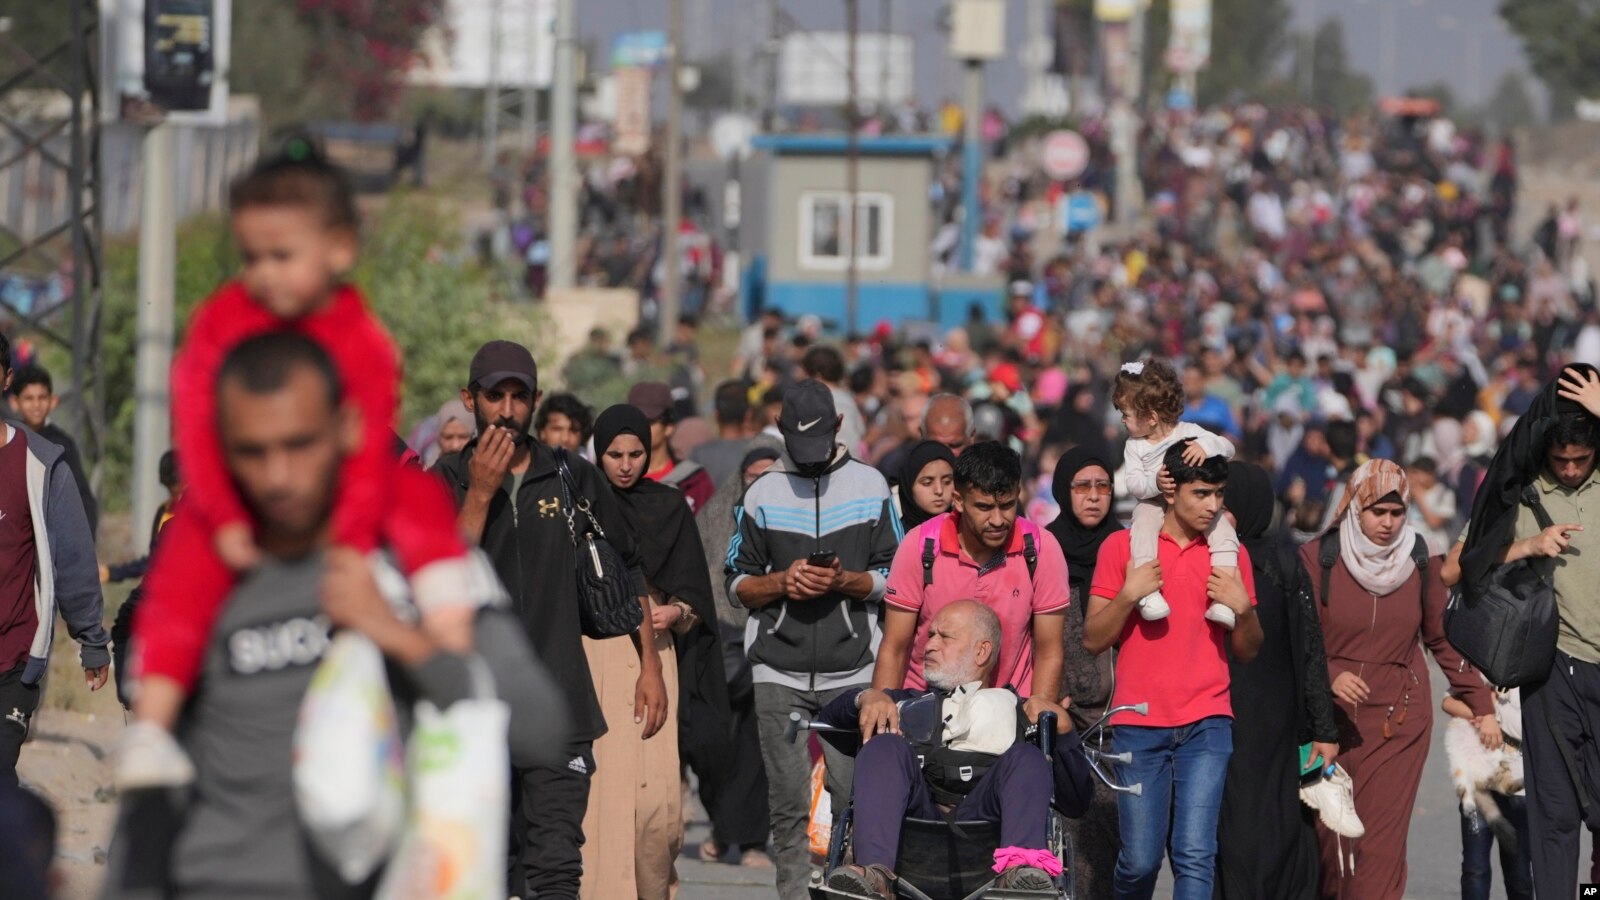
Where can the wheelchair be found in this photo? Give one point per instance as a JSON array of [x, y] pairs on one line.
[[954, 860]]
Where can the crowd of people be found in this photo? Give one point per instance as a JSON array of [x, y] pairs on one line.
[[1293, 385]]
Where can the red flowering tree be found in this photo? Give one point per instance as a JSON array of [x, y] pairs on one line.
[[366, 46]]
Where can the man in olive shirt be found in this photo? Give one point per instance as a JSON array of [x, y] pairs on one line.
[[1568, 702]]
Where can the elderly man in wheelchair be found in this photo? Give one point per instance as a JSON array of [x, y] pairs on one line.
[[935, 763]]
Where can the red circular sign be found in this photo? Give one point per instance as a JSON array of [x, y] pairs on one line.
[[1066, 154]]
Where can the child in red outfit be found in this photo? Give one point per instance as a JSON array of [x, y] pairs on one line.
[[294, 220]]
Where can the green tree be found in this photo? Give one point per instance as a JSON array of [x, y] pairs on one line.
[[1248, 40], [1562, 41], [1334, 86], [437, 309], [1511, 106], [1440, 91]]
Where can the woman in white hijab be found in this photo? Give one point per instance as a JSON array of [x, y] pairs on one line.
[[1374, 605]]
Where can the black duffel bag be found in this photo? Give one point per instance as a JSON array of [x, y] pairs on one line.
[[607, 604], [1507, 627]]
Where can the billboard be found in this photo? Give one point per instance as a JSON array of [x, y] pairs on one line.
[[639, 48], [812, 68], [460, 51], [1189, 47]]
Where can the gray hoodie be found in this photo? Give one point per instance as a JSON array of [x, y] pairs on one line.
[[68, 575]]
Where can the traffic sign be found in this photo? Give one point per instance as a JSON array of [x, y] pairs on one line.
[[1079, 212], [1066, 154]]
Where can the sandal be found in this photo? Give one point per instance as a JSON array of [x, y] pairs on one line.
[[863, 881]]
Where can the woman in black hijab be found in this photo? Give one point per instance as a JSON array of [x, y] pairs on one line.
[[1082, 486], [1081, 419], [1266, 841], [673, 563], [930, 471]]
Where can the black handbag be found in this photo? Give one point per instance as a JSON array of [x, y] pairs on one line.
[[1508, 629], [607, 604]]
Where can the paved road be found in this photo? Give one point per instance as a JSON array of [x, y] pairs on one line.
[[1433, 851]]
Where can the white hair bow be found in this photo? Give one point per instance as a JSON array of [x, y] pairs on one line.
[[1133, 368]]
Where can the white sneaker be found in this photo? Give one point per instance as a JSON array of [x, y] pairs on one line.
[[1221, 615], [148, 756], [1333, 797], [1153, 607]]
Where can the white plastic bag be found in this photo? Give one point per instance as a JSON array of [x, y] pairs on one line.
[[458, 762], [348, 763]]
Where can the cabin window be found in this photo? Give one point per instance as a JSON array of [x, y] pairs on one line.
[[825, 230]]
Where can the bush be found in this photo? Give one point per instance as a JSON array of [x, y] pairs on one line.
[[436, 301]]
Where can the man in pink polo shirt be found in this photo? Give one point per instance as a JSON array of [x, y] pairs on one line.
[[980, 551], [1180, 667]]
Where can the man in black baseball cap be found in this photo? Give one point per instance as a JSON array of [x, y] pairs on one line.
[[810, 426], [810, 563], [499, 361], [512, 502]]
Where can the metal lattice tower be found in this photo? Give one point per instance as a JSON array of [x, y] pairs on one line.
[[49, 194]]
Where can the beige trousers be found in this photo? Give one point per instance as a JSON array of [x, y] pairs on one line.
[[633, 829]]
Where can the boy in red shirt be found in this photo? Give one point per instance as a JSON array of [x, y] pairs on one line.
[[294, 220], [1179, 751]]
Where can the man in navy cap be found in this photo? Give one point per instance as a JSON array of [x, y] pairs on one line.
[[814, 540]]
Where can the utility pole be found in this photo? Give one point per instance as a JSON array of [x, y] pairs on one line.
[[971, 160], [1125, 124], [886, 22], [977, 33], [852, 162], [668, 291], [491, 97], [530, 93], [769, 112], [158, 247], [563, 224]]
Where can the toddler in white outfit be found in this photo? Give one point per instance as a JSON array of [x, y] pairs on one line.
[[1150, 398]]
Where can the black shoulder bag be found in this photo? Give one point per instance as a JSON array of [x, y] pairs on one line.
[[1508, 630], [607, 605]]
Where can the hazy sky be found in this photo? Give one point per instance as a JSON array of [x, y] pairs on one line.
[[1435, 38]]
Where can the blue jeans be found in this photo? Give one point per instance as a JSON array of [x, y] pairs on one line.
[[1182, 770], [1477, 842]]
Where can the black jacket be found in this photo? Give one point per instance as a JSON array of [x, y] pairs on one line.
[[1516, 463], [533, 554]]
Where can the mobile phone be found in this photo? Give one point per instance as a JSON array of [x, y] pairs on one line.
[[822, 559]]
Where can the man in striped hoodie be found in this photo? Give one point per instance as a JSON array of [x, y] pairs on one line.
[[809, 557]]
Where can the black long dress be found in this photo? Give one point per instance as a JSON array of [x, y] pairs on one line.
[[1266, 839], [1086, 678]]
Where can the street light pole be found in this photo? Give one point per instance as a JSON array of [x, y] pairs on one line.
[[563, 232], [668, 291], [852, 166], [491, 97], [158, 222]]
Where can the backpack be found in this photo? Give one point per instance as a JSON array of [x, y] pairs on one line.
[[949, 774], [930, 552], [1328, 554]]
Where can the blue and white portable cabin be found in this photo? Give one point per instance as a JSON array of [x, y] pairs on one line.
[[796, 217]]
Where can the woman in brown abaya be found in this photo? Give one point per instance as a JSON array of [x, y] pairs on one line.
[[1375, 607]]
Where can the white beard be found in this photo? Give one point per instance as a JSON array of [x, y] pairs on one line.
[[954, 674]]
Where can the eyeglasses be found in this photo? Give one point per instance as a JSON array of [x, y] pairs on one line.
[[1091, 488]]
